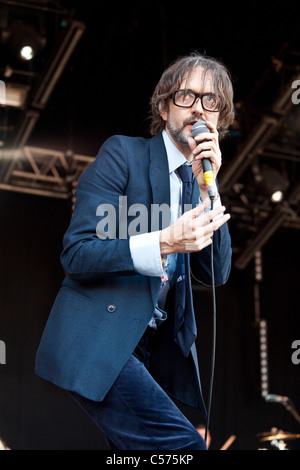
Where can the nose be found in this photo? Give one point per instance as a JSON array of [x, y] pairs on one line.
[[197, 107]]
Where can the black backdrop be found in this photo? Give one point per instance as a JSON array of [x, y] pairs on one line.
[[35, 415]]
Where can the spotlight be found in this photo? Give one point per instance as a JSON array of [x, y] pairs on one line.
[[25, 41], [270, 183], [277, 196], [275, 184], [26, 52]]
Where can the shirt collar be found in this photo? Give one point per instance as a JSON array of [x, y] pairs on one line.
[[175, 157]]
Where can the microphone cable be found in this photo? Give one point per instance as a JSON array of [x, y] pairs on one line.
[[214, 333], [198, 128]]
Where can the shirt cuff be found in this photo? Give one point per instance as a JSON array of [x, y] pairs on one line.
[[145, 253]]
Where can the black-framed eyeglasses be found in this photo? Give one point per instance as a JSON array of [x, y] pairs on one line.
[[187, 98]]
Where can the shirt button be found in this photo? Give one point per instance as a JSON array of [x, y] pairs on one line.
[[111, 308]]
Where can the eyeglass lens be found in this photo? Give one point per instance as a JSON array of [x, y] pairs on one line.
[[186, 99]]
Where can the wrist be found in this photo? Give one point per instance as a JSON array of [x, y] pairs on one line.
[[204, 194], [166, 242]]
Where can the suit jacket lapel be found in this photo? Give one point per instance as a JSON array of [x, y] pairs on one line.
[[160, 184], [159, 174], [159, 171]]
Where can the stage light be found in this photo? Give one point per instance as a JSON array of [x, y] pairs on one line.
[[27, 52], [275, 184], [24, 40], [270, 182], [277, 196]]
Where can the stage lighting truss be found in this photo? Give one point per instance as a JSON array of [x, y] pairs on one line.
[[260, 185], [48, 36], [15, 95], [25, 89], [43, 172]]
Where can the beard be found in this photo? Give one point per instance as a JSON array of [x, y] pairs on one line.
[[177, 134]]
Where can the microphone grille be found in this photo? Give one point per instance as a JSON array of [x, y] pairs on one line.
[[198, 128]]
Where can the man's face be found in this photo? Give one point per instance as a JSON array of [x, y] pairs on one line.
[[179, 121]]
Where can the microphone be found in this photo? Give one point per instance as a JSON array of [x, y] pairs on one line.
[[276, 398], [197, 129]]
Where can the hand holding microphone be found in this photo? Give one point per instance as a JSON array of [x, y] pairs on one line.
[[192, 233], [213, 153]]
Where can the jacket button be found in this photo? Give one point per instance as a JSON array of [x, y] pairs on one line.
[[111, 308]]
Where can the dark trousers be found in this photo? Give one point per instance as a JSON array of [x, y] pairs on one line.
[[137, 414]]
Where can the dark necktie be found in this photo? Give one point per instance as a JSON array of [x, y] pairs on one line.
[[184, 321]]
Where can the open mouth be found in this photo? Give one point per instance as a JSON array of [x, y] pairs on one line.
[[191, 123]]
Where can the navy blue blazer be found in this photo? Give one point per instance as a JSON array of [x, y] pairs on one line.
[[104, 306]]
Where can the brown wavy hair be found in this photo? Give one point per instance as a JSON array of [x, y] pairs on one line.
[[173, 76]]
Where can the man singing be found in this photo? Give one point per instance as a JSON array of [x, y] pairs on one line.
[[121, 333]]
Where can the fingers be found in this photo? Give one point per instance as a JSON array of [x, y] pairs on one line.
[[198, 209], [207, 150], [212, 214], [212, 127], [206, 145], [214, 224], [203, 234], [210, 221], [207, 216], [193, 231], [195, 228]]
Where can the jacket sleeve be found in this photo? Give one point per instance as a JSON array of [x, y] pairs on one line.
[[222, 253], [92, 247]]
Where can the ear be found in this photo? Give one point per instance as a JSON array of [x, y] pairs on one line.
[[164, 109]]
